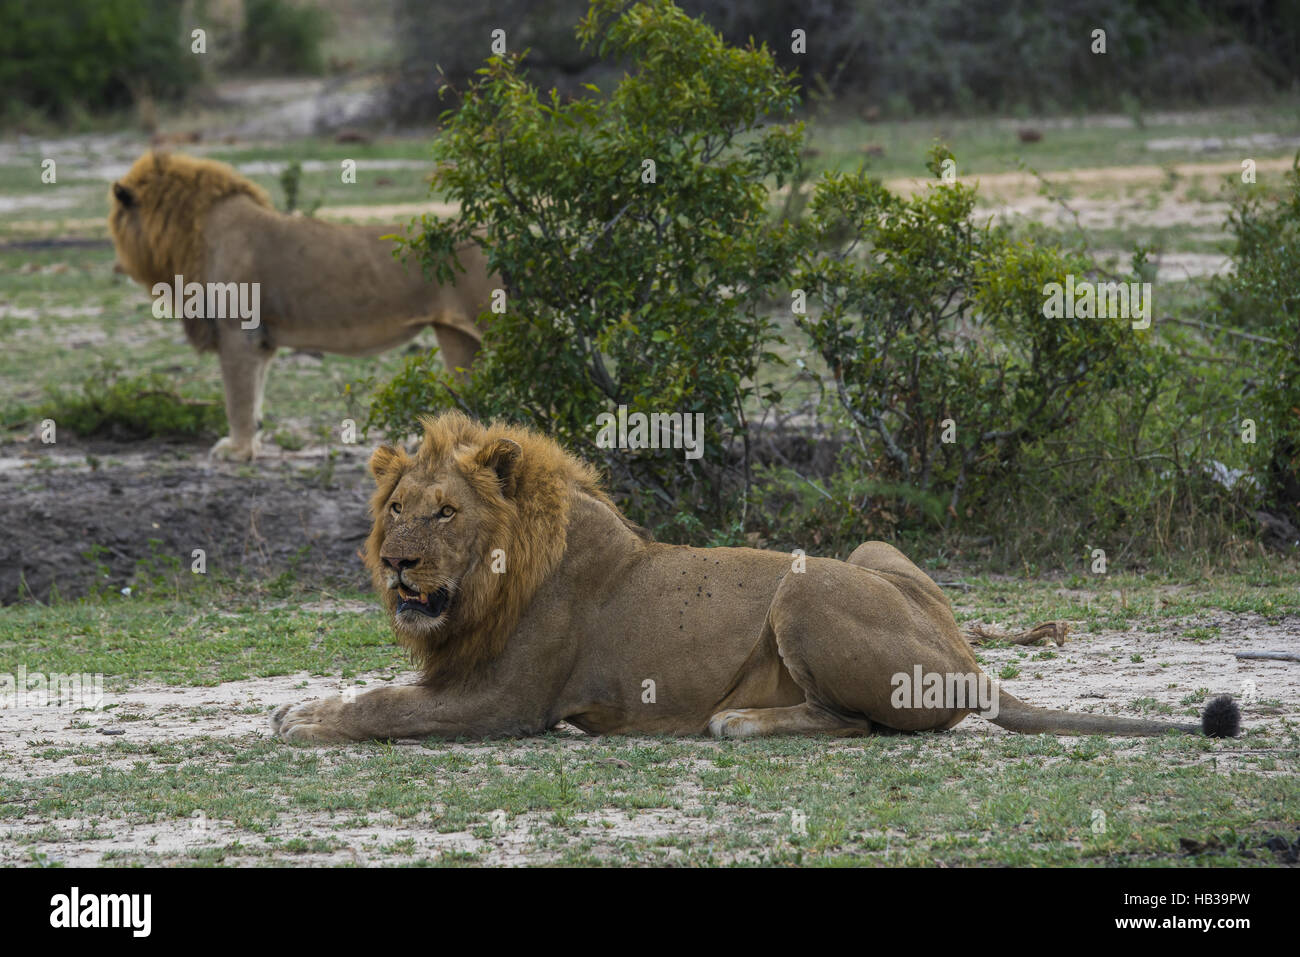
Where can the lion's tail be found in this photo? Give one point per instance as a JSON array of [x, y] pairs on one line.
[[1220, 719]]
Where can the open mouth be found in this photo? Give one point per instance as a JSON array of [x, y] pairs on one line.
[[431, 605]]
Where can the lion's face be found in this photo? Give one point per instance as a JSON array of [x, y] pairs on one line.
[[435, 528], [430, 526]]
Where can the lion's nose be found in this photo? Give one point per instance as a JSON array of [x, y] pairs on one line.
[[400, 564]]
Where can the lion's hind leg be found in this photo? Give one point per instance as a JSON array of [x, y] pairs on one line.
[[852, 638], [809, 717], [458, 349], [806, 718]]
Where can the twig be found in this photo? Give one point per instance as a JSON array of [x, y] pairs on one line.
[[1224, 329], [1055, 630], [1268, 655], [1049, 191], [606, 228]]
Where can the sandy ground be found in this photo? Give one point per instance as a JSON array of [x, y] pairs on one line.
[[1093, 672]]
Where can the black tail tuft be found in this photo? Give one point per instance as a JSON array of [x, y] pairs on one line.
[[1221, 718]]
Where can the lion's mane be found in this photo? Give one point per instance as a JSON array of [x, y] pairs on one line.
[[529, 524], [159, 231]]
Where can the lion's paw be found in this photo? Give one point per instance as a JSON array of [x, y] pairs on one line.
[[733, 724], [308, 722], [230, 451]]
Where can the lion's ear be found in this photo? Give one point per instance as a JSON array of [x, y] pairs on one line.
[[385, 461], [123, 195], [501, 456]]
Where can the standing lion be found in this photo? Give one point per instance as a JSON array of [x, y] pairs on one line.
[[318, 286]]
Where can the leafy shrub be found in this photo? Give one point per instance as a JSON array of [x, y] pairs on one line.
[[283, 37], [1155, 469], [114, 406], [624, 289], [960, 411], [1262, 294], [934, 334], [57, 55], [1068, 434], [1263, 290]]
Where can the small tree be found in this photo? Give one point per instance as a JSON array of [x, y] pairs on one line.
[[635, 242], [934, 334], [62, 55], [1262, 294]]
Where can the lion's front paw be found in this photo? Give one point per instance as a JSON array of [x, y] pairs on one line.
[[310, 722], [232, 451], [732, 724]]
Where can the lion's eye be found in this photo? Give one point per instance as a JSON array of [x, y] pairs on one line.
[[395, 508], [446, 512]]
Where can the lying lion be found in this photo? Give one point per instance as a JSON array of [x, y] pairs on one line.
[[528, 599], [321, 286]]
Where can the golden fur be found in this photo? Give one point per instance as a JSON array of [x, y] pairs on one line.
[[528, 524], [164, 236], [322, 286], [527, 599]]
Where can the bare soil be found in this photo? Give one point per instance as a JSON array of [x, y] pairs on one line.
[[140, 501]]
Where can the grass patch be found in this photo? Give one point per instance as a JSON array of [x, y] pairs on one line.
[[923, 800], [194, 640], [112, 405]]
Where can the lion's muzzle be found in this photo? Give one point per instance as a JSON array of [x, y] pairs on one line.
[[431, 605]]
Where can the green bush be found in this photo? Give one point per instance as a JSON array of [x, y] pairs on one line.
[[1262, 295], [959, 410], [933, 330], [1067, 434], [622, 291], [59, 55], [282, 37], [111, 405], [1263, 290]]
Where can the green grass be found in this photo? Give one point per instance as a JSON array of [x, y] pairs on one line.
[[1267, 588], [179, 630], [898, 800], [195, 640], [131, 407], [983, 145], [1013, 801]]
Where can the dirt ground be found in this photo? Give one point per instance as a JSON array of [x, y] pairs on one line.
[[1093, 672], [142, 500]]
